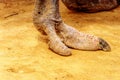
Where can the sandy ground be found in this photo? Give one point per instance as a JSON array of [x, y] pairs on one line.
[[24, 53]]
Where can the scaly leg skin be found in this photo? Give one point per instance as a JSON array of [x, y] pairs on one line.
[[46, 17], [61, 36]]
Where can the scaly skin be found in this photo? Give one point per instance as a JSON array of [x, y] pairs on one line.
[[78, 40], [61, 36]]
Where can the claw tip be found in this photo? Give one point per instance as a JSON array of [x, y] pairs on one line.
[[104, 45]]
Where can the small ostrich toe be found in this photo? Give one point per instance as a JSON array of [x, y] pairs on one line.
[[58, 47]]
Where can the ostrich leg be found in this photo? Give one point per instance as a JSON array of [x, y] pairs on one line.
[[46, 18], [61, 36]]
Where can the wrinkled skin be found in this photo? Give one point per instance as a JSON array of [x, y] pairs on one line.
[[61, 36]]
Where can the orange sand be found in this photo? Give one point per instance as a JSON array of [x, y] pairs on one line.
[[24, 53]]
